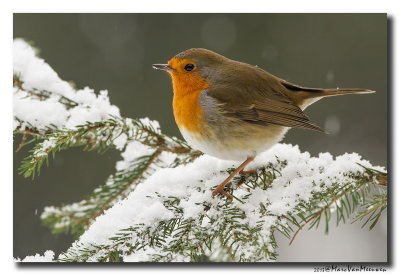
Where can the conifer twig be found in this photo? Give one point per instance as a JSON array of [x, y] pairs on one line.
[[318, 214]]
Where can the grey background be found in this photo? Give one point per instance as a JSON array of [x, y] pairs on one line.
[[115, 52]]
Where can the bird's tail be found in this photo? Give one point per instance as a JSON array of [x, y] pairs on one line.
[[337, 91], [304, 96]]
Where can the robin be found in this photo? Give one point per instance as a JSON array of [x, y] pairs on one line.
[[233, 110]]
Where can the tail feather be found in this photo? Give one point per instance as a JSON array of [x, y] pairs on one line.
[[337, 91], [300, 94], [304, 96], [317, 92]]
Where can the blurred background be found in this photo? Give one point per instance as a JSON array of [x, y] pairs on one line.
[[116, 51]]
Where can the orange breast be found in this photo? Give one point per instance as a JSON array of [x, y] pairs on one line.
[[187, 110]]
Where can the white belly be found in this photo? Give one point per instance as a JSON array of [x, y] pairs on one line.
[[233, 149]]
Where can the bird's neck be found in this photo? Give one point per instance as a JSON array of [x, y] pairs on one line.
[[187, 110]]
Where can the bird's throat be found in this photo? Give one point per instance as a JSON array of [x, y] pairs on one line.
[[187, 110]]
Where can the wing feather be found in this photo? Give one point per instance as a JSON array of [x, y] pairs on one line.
[[260, 106]]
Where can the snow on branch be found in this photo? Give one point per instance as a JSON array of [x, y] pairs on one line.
[[48, 256], [173, 217], [43, 101], [158, 205]]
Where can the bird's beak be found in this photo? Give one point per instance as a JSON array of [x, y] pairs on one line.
[[164, 67]]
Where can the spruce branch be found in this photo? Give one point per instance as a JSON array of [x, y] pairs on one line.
[[100, 136], [344, 200], [93, 135], [222, 231], [180, 238], [42, 94], [371, 209]]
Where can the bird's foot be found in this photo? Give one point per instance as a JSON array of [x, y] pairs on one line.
[[223, 192], [220, 188]]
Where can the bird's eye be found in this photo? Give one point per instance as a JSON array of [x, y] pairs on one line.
[[189, 67]]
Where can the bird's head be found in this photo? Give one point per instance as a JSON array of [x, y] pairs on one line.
[[193, 69]]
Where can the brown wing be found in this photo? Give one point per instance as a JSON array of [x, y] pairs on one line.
[[261, 105]]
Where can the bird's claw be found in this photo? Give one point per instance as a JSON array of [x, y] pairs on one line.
[[221, 191]]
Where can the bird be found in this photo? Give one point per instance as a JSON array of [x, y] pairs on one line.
[[233, 110]]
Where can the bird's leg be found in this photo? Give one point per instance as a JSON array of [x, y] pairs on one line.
[[220, 188]]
